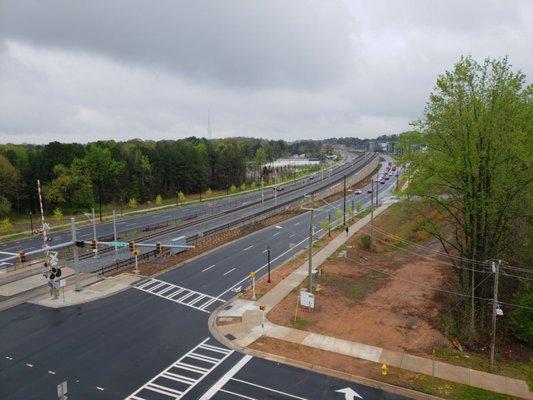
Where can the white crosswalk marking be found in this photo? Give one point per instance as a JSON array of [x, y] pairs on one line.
[[178, 294], [180, 377]]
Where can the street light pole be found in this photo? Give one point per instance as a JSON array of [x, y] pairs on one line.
[[344, 202], [329, 223], [115, 232], [94, 233], [268, 262], [31, 224]]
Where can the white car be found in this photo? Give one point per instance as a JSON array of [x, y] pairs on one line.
[[358, 191]]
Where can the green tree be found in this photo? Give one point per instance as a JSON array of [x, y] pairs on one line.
[[102, 169], [5, 207], [470, 158], [58, 214], [521, 318]]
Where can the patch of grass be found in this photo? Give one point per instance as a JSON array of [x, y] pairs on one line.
[[369, 283], [328, 279], [440, 387], [479, 362], [300, 323]]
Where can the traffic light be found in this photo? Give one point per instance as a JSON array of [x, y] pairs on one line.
[[94, 244], [22, 256], [132, 246], [158, 247]]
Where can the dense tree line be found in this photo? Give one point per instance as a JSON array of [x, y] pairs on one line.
[[77, 176]]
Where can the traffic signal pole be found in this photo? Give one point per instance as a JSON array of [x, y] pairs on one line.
[[94, 234], [75, 256], [310, 264], [115, 232]]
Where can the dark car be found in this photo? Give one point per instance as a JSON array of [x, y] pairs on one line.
[[280, 189], [369, 191]]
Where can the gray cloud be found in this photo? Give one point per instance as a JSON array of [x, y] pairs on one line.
[[86, 70]]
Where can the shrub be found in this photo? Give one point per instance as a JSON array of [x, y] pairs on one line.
[[181, 196], [366, 241], [158, 200], [132, 203], [521, 319], [57, 213], [233, 189], [243, 187], [209, 192], [253, 185], [6, 226]]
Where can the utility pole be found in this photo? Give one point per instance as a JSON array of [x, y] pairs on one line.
[[310, 265], [344, 202], [329, 223], [75, 255], [268, 262], [115, 232], [496, 270]]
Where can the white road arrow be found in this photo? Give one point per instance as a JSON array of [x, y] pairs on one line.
[[349, 393]]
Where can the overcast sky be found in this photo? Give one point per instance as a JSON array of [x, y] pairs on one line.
[[77, 70]]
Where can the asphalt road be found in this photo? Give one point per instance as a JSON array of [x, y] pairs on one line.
[[180, 213], [160, 347]]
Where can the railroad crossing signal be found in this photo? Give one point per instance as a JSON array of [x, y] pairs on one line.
[[136, 252], [22, 256], [158, 247], [132, 246], [94, 244]]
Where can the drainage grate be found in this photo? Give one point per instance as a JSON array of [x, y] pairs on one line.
[[230, 336]]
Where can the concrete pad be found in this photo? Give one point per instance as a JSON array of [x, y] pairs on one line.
[[30, 282], [99, 290], [237, 308], [452, 372], [392, 358], [519, 388], [417, 364]]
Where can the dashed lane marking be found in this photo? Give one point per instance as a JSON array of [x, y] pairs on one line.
[[208, 268], [228, 272]]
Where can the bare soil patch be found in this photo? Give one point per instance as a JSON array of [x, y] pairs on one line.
[[383, 297]]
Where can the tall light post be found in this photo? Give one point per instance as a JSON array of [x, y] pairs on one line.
[[310, 263], [268, 262], [31, 223], [344, 202]]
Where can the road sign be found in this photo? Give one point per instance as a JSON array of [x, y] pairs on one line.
[[62, 282], [118, 244], [307, 299], [349, 393], [62, 389]]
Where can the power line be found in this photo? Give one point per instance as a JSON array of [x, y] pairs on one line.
[[431, 287], [470, 260]]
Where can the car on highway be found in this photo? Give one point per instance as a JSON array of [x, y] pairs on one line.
[[369, 191], [279, 188], [358, 191], [382, 182]]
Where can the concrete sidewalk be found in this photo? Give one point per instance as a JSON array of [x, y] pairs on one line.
[[251, 325]]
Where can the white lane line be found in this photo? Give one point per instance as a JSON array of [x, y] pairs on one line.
[[249, 247], [9, 358], [294, 234], [100, 388], [29, 365], [269, 389], [276, 234], [227, 376], [242, 396], [227, 272], [51, 372], [208, 268], [297, 223]]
